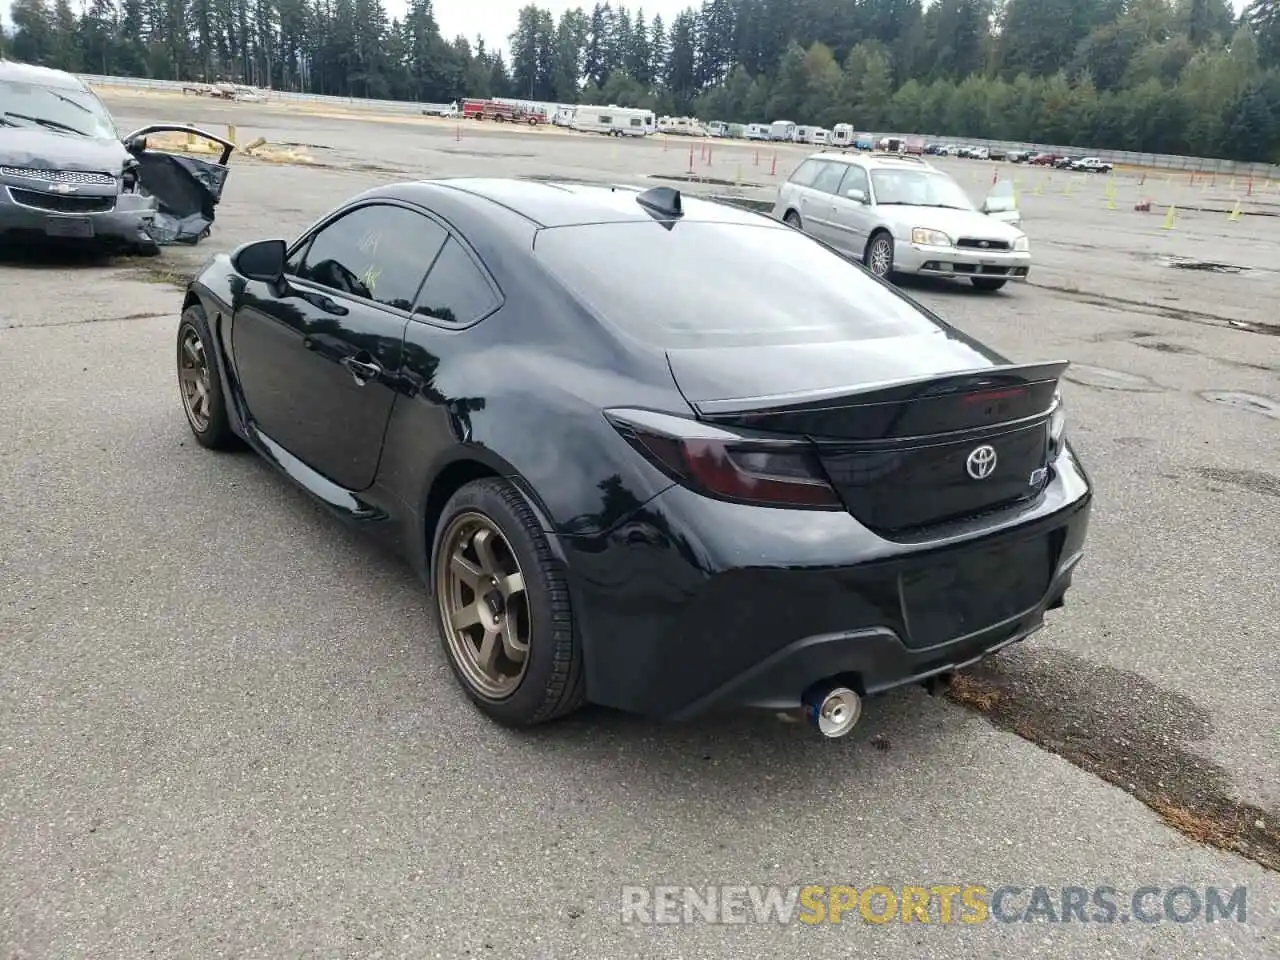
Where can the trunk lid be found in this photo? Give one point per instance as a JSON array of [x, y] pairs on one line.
[[911, 432]]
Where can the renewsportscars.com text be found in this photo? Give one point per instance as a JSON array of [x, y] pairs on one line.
[[938, 904]]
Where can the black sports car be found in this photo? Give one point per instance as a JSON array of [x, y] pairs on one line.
[[67, 174], [657, 453]]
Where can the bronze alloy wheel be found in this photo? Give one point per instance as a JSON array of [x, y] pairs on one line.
[[195, 378], [484, 608]]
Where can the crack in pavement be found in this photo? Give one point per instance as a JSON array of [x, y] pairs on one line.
[[149, 315], [1123, 728], [1157, 310]]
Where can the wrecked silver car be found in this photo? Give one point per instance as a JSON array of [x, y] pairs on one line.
[[67, 174]]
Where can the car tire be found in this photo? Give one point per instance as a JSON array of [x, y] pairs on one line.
[[533, 619], [878, 257], [792, 219], [200, 382], [988, 283]]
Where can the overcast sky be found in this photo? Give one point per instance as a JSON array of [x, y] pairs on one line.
[[496, 19]]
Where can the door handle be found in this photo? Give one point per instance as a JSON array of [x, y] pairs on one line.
[[363, 371]]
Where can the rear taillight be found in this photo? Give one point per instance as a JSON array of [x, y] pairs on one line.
[[715, 463], [1057, 427]]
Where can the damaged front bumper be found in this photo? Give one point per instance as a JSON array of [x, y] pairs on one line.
[[158, 197], [119, 219]]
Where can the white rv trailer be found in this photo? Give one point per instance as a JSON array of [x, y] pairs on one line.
[[614, 121], [757, 131], [842, 135], [682, 126], [782, 130]]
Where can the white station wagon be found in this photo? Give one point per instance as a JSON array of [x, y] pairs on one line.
[[901, 215]]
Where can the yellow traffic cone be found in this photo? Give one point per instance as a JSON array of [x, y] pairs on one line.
[[1235, 213], [1169, 217]]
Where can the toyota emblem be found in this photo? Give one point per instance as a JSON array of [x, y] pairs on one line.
[[983, 244], [982, 462], [62, 188]]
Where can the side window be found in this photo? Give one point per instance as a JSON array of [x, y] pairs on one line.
[[456, 290], [855, 179], [804, 174], [378, 252], [829, 177]]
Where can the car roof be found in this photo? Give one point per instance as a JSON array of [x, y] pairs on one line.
[[876, 161], [567, 203], [16, 72]]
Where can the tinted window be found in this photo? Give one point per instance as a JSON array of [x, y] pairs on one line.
[[829, 177], [377, 252], [456, 290], [714, 284]]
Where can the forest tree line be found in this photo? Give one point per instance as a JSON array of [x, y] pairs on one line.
[[1168, 76]]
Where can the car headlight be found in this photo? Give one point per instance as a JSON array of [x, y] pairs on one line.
[[1022, 245], [930, 238], [1057, 427]]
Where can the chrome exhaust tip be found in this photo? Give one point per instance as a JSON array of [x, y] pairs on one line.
[[833, 710]]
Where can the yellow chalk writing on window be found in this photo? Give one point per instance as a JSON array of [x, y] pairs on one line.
[[369, 242]]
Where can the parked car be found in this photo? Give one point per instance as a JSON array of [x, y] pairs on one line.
[[1019, 156], [68, 176], [1045, 159], [1065, 163], [562, 449], [1091, 165], [901, 215]]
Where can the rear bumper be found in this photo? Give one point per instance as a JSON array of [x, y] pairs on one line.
[[930, 261], [696, 604]]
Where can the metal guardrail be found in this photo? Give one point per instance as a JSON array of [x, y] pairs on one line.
[[1189, 165], [1159, 161], [177, 86]]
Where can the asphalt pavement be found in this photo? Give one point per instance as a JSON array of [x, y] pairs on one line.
[[226, 729]]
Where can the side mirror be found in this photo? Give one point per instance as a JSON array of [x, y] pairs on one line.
[[262, 260], [856, 195], [136, 145]]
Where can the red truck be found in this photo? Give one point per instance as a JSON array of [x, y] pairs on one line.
[[500, 112]]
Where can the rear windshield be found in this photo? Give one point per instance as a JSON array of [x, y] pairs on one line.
[[717, 284]]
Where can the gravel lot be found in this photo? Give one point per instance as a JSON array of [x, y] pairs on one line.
[[225, 730]]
